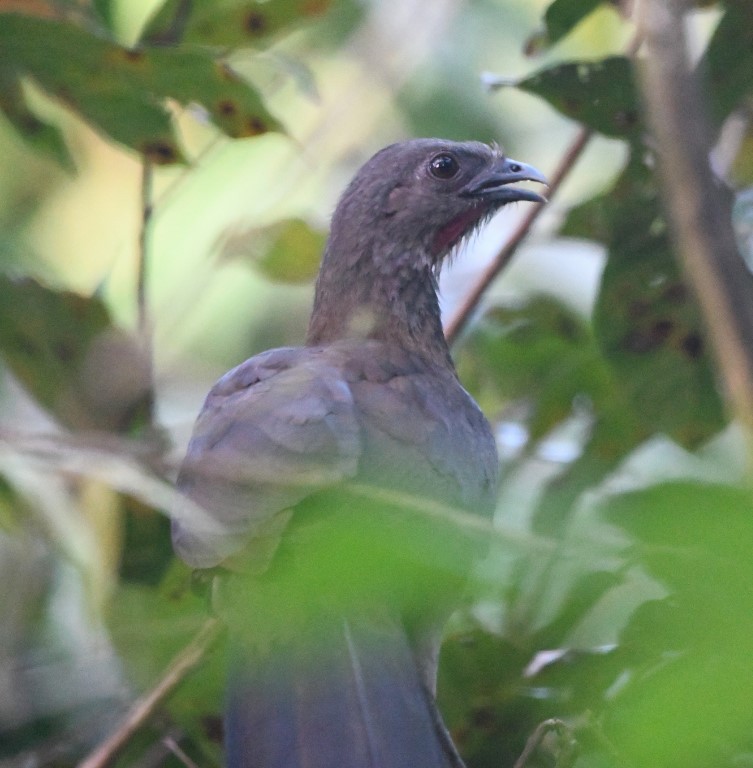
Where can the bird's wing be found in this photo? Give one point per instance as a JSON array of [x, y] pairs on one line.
[[273, 430], [421, 429]]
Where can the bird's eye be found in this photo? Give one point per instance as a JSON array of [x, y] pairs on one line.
[[444, 166]]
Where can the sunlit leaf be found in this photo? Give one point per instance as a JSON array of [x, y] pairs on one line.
[[560, 18], [123, 92], [230, 23], [684, 703], [37, 133], [288, 252]]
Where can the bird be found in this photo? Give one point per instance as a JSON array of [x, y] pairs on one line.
[[317, 471]]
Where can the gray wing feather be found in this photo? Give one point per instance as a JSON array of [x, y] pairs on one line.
[[273, 430]]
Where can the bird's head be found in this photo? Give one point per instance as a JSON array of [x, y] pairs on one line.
[[418, 199]]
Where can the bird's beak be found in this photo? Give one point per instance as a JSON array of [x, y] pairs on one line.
[[492, 183]]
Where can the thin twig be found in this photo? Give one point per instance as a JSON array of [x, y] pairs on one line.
[[175, 748], [458, 321], [144, 707], [471, 300], [537, 737], [142, 304]]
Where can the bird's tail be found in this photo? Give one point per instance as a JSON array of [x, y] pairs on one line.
[[353, 699]]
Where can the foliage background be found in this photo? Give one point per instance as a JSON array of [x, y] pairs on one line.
[[618, 593]]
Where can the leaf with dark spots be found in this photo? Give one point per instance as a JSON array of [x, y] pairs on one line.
[[232, 23], [542, 352], [64, 349], [190, 75], [646, 321], [90, 75], [599, 94], [123, 93]]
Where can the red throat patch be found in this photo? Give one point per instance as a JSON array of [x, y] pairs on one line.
[[452, 232]]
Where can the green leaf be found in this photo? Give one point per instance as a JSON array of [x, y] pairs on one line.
[[106, 11], [40, 135], [231, 23], [479, 680], [91, 76], [683, 704], [294, 253], [564, 15], [123, 92], [728, 61], [646, 320], [191, 75], [170, 614], [599, 94], [541, 351], [288, 252], [64, 349]]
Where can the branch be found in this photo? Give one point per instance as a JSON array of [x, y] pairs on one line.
[[144, 707], [471, 300], [698, 210]]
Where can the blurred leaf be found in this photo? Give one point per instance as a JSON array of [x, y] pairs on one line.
[[728, 60], [684, 704], [646, 320], [494, 694], [453, 111], [169, 615], [599, 94], [106, 10], [91, 76], [193, 76], [678, 525], [479, 684], [48, 9], [122, 91], [147, 549], [603, 622], [40, 135], [541, 351], [288, 252], [64, 349], [564, 15], [232, 23]]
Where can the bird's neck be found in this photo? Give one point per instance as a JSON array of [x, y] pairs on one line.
[[397, 304]]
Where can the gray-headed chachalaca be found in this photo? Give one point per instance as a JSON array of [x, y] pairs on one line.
[[318, 467]]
